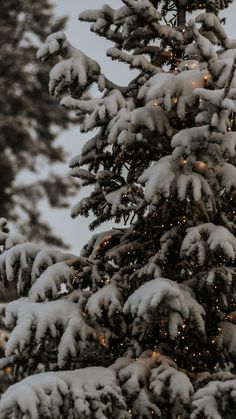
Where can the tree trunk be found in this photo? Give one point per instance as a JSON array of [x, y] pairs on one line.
[[181, 16]]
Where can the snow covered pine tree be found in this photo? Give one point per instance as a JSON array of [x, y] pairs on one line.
[[147, 325]]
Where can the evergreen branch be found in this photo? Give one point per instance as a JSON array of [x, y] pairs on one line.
[[230, 79]]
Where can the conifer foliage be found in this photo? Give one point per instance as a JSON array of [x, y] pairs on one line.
[[30, 121], [143, 323]]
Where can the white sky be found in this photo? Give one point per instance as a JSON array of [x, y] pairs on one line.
[[76, 232]]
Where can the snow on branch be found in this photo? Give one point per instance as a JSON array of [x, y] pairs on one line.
[[226, 339], [88, 392], [117, 199], [167, 242], [217, 5], [152, 117], [49, 283], [85, 205], [162, 377], [125, 25], [200, 186], [213, 399], [97, 110], [8, 239], [204, 46], [158, 178], [135, 61], [227, 176], [103, 19], [166, 377], [145, 9], [217, 98], [211, 24], [38, 397], [219, 104], [227, 142], [90, 15], [150, 270], [163, 178], [218, 239], [95, 243], [209, 283], [55, 44], [19, 257], [74, 68], [164, 296], [125, 248], [24, 263], [174, 90], [220, 70], [108, 298], [132, 374], [190, 140], [32, 322], [45, 258], [118, 125]]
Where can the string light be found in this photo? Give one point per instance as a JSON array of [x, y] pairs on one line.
[[102, 341], [155, 355], [200, 166], [7, 370], [183, 162], [103, 243], [232, 316]]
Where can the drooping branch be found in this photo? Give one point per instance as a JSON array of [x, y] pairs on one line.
[[230, 79]]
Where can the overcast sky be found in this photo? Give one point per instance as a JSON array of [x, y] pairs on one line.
[[76, 232]]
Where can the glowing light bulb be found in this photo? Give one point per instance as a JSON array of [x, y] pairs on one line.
[[102, 341], [155, 355], [183, 162], [200, 166]]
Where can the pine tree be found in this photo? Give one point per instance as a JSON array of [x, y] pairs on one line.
[[29, 126], [30, 121], [142, 323]]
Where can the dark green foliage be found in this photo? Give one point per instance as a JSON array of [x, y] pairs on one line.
[[30, 121]]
